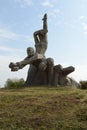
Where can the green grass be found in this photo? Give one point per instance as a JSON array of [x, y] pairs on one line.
[[43, 108]]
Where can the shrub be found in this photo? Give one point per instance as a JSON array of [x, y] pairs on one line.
[[83, 84], [14, 83]]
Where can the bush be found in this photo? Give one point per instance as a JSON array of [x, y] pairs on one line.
[[14, 83], [83, 84]]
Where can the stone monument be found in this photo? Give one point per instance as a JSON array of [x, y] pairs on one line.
[[42, 70]]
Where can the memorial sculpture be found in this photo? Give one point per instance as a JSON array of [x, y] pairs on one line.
[[42, 70]]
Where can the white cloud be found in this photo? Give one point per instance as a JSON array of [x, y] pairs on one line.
[[84, 23], [3, 48], [24, 3], [82, 17], [54, 13], [8, 34], [10, 50], [84, 26], [47, 3]]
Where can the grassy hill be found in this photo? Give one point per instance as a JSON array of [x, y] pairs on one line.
[[43, 108]]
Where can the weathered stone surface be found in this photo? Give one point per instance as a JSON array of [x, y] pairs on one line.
[[36, 58], [42, 70]]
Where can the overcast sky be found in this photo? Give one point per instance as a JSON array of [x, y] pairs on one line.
[[67, 34]]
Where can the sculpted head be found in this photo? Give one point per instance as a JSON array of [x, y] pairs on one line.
[[30, 51], [50, 62]]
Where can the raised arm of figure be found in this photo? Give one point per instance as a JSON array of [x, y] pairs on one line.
[[45, 27], [42, 31]]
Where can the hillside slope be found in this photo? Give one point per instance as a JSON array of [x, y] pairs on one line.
[[42, 108]]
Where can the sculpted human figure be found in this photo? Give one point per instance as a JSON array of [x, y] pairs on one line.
[[60, 75], [41, 69], [40, 38], [33, 68], [41, 43], [16, 66]]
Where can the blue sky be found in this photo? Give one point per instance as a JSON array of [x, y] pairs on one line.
[[67, 34]]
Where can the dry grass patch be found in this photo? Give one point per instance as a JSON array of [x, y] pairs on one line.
[[42, 108]]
